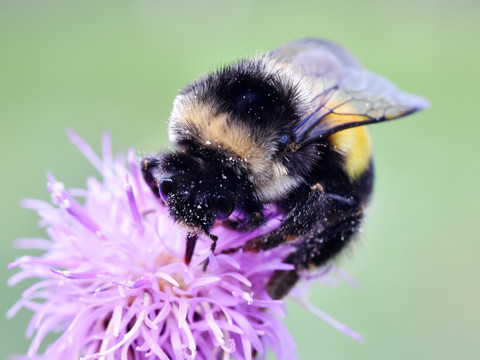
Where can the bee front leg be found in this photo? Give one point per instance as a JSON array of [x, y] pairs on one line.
[[253, 221], [314, 251], [312, 215], [318, 229]]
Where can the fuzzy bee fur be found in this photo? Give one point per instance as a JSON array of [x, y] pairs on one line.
[[284, 129]]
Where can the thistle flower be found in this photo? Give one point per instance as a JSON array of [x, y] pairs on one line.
[[113, 283]]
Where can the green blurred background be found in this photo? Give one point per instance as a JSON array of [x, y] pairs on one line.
[[117, 65]]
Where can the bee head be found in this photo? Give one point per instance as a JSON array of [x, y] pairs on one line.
[[197, 192]]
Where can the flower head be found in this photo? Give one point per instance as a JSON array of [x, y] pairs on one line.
[[113, 283]]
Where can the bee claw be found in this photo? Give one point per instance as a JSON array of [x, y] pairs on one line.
[[212, 248], [205, 264]]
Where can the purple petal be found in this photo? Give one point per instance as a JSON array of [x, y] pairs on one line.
[[113, 281], [330, 320]]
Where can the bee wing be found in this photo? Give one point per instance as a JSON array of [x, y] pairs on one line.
[[305, 53], [347, 95]]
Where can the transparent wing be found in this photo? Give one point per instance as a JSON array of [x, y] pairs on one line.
[[347, 94], [308, 53]]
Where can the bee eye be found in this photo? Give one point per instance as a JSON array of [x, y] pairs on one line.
[[225, 206], [165, 188]]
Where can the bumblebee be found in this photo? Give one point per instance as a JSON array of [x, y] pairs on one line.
[[283, 129]]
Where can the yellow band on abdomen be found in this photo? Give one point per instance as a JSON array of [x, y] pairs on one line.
[[355, 145]]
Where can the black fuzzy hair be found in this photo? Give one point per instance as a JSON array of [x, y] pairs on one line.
[[252, 94]]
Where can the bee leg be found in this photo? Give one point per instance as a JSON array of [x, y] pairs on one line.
[[213, 246], [314, 251], [252, 221], [302, 218], [318, 229], [317, 210], [231, 224], [282, 281]]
